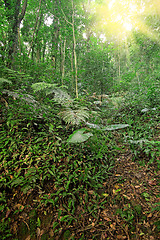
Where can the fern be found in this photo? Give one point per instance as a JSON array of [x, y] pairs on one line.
[[60, 95], [16, 95], [40, 86], [74, 117], [3, 80], [16, 76]]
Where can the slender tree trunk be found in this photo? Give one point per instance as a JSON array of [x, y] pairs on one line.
[[35, 27], [127, 53], [119, 61], [74, 48], [74, 51], [55, 36], [44, 49], [63, 49], [72, 69]]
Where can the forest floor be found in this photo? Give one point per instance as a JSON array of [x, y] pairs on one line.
[[68, 205], [130, 193]]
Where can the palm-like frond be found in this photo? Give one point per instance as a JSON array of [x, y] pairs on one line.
[[60, 95], [3, 80], [74, 117], [40, 86], [17, 95]]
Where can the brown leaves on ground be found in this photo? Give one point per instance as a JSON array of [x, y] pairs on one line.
[[129, 196]]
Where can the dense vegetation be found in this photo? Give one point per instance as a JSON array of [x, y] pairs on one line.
[[79, 122]]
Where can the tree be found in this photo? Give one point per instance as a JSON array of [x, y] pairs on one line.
[[14, 13]]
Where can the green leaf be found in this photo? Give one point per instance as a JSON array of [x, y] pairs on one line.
[[115, 127], [55, 224], [64, 218], [79, 136]]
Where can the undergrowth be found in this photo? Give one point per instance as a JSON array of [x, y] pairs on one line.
[[45, 178]]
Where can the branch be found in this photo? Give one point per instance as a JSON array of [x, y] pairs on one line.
[[66, 18], [21, 16]]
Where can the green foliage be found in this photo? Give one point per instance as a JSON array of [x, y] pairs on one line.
[[43, 86], [79, 136], [74, 116], [57, 93], [3, 80], [57, 148]]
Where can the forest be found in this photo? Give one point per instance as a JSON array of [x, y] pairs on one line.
[[79, 119]]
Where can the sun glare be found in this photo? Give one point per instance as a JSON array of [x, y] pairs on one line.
[[128, 26], [120, 17]]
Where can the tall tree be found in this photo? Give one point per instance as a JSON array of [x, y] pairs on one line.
[[14, 13]]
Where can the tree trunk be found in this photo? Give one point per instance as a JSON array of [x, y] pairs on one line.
[[14, 18], [74, 51], [63, 49], [55, 36], [35, 27]]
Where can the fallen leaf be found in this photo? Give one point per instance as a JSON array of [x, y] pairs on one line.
[[113, 226], [107, 219], [121, 237], [152, 182], [7, 213], [151, 238], [150, 215], [28, 238], [19, 206], [38, 232], [14, 227], [91, 192], [127, 197], [51, 233], [137, 186], [105, 194]]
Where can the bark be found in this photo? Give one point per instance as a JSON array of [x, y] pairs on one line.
[[74, 48], [55, 37], [14, 17], [35, 27], [63, 49], [74, 51]]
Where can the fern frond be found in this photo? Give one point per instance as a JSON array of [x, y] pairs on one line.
[[74, 117], [40, 86], [62, 97], [3, 80], [16, 95]]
